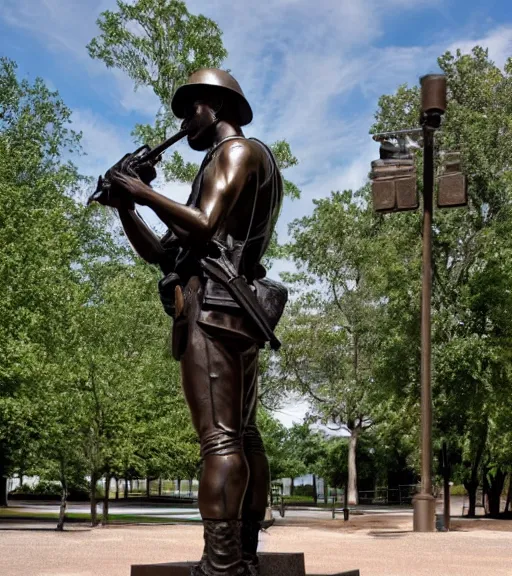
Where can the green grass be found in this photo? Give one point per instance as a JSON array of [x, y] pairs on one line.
[[10, 513], [458, 490], [298, 499]]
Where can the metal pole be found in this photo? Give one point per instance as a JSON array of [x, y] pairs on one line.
[[426, 346], [346, 511], [433, 96], [446, 488], [424, 502]]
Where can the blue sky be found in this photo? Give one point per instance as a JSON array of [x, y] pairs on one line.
[[312, 69]]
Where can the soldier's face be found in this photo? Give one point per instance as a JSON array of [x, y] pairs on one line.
[[200, 123]]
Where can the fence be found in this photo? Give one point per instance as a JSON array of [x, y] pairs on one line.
[[185, 489], [139, 487], [389, 496]]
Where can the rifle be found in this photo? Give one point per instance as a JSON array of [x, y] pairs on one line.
[[139, 164]]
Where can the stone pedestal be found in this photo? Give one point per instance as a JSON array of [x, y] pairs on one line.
[[271, 564]]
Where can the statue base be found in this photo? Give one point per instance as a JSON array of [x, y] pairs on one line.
[[271, 564]]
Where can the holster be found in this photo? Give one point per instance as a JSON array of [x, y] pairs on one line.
[[167, 289], [179, 337]]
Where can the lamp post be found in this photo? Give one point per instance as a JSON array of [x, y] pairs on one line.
[[394, 189], [433, 106]]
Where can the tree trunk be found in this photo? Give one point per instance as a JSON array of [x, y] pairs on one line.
[[62, 510], [345, 503], [3, 481], [3, 492], [126, 488], [148, 491], [315, 493], [117, 488], [471, 488], [494, 490], [509, 494], [353, 495], [179, 487], [94, 515], [63, 498], [104, 518], [160, 486], [190, 480], [292, 486], [446, 488], [472, 485]]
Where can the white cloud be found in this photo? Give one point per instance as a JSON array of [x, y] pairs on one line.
[[293, 412], [66, 27], [103, 143], [63, 26], [498, 41], [303, 69], [300, 67], [142, 100]]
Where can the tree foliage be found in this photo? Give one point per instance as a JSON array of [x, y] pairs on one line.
[[87, 384]]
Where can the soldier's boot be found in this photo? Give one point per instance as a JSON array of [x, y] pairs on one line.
[[249, 535], [223, 550]]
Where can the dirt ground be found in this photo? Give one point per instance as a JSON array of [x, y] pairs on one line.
[[378, 545], [401, 522]]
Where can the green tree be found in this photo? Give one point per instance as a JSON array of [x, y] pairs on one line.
[[309, 446], [137, 416], [283, 462], [87, 385], [39, 240], [158, 43], [471, 309], [333, 466], [331, 331]]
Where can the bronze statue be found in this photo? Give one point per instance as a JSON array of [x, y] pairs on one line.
[[224, 309]]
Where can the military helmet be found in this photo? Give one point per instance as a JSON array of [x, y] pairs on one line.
[[212, 80]]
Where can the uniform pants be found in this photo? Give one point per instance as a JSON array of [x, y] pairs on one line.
[[219, 369]]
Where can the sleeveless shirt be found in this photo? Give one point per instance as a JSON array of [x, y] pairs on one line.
[[246, 253]]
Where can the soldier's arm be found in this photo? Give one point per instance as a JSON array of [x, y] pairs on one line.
[[143, 240], [221, 187]]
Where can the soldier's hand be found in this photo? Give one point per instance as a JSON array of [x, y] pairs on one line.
[[133, 187], [115, 196], [147, 173]]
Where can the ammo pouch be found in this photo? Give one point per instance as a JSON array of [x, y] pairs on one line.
[[272, 297], [167, 289], [216, 297]]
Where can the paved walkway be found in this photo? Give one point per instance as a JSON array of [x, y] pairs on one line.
[[192, 513], [378, 546]]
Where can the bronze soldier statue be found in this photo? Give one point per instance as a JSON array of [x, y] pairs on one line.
[[223, 306]]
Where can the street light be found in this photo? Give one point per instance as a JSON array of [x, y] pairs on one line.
[[394, 190]]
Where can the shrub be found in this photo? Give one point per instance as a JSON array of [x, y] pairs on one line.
[[42, 488], [306, 490]]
